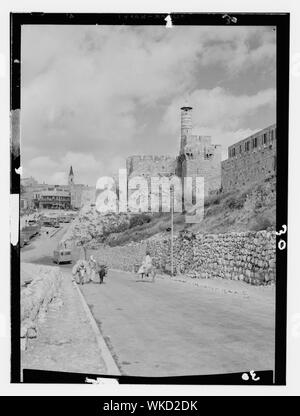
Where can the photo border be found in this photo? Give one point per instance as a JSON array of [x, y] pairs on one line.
[[281, 21]]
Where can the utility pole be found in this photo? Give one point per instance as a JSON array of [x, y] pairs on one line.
[[172, 230]]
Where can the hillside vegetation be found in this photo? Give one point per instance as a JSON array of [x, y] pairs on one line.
[[249, 208]]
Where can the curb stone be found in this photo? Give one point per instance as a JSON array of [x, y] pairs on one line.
[[112, 368]]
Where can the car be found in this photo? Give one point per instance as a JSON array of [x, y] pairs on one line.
[[32, 222], [48, 223]]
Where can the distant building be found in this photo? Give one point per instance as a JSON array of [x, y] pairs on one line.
[[26, 201], [28, 181], [56, 199], [72, 195]]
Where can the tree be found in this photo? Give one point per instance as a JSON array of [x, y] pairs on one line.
[[83, 234]]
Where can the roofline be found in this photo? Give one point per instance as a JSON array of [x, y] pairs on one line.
[[253, 135]]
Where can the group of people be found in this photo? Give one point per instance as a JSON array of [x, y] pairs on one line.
[[89, 271], [92, 271], [100, 270]]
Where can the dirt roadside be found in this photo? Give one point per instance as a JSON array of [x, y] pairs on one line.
[[65, 341]]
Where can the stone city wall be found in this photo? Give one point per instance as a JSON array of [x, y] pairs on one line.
[[243, 166], [150, 165], [209, 169], [248, 256]]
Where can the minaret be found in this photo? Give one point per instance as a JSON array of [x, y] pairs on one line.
[[71, 177], [186, 125]]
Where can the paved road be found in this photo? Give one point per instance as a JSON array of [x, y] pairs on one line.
[[174, 328], [40, 248]]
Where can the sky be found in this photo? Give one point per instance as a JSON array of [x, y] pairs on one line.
[[93, 95]]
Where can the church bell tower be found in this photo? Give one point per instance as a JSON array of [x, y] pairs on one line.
[[71, 177]]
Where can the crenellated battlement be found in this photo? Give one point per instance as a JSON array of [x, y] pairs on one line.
[[152, 158], [150, 165], [249, 158]]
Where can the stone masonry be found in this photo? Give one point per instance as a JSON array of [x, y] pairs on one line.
[[197, 157], [148, 166], [40, 285], [249, 160], [248, 256]]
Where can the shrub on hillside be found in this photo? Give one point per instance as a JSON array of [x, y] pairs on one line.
[[261, 222], [212, 200], [236, 202], [139, 219], [213, 210]]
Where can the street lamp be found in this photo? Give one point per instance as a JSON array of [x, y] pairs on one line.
[[172, 229]]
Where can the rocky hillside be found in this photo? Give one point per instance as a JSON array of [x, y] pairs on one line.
[[250, 208]]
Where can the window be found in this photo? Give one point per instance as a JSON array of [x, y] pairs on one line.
[[255, 142], [265, 138], [247, 146], [240, 148], [233, 152]]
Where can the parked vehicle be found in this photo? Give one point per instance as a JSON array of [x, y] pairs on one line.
[[66, 218], [29, 232], [50, 222], [32, 222], [47, 223]]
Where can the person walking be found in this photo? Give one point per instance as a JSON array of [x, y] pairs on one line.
[[146, 266], [100, 270]]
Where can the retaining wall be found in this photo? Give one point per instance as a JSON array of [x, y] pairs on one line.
[[39, 286], [248, 256]]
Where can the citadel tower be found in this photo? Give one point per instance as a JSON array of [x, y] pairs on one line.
[[186, 125], [197, 155]]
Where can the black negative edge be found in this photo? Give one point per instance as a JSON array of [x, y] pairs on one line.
[[15, 162], [281, 22], [282, 115], [40, 376]]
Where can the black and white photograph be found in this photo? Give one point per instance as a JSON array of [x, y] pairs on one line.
[[152, 204]]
